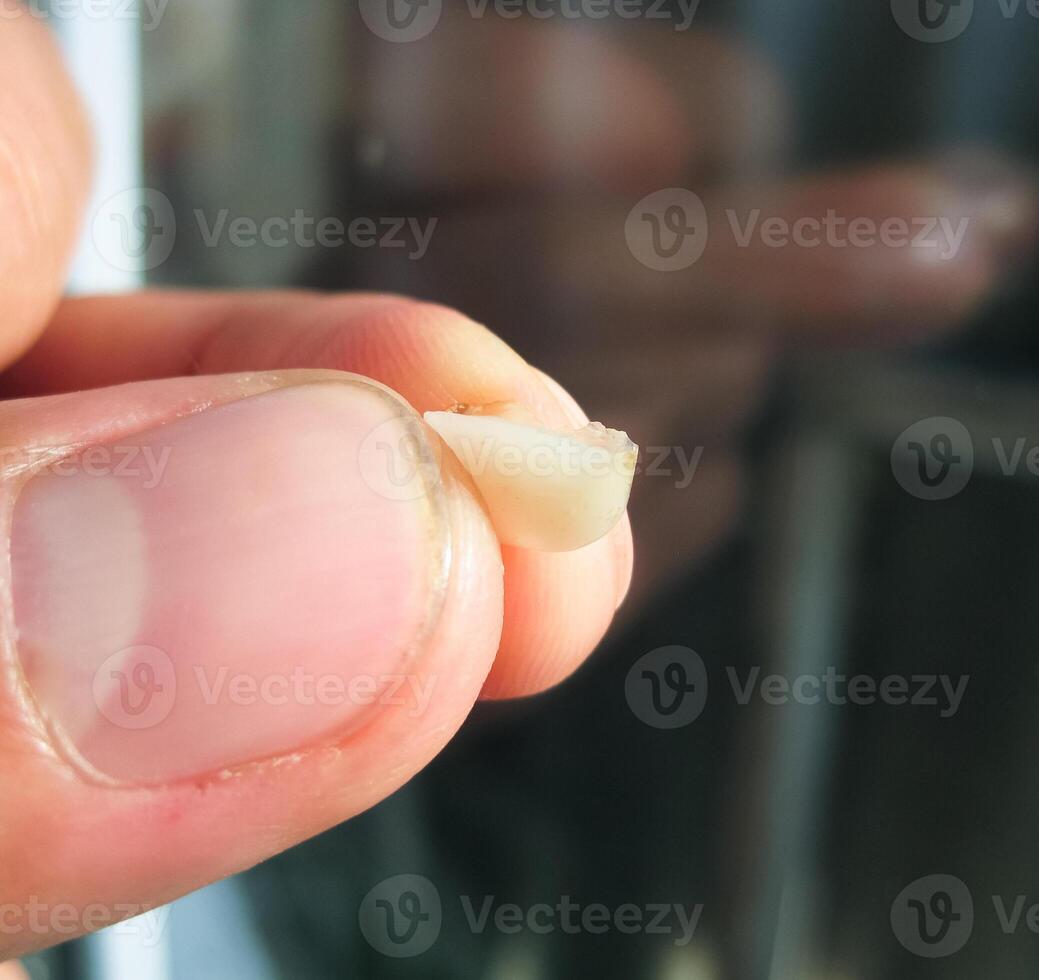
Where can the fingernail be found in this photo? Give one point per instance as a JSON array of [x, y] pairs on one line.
[[231, 586]]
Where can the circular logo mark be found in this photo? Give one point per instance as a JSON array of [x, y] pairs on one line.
[[401, 916], [136, 687], [933, 916], [398, 461], [933, 459], [135, 230], [667, 687], [667, 231], [401, 21], [933, 21]]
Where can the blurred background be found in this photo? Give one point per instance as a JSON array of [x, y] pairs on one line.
[[788, 248]]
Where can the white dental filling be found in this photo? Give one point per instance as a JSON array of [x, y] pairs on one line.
[[545, 490]]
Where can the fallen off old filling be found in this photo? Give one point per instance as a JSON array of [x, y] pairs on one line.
[[543, 489]]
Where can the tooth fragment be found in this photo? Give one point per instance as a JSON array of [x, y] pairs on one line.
[[546, 490]]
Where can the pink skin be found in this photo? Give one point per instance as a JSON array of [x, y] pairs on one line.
[[163, 841], [247, 568]]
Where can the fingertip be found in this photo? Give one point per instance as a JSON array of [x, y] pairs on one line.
[[623, 558], [558, 608]]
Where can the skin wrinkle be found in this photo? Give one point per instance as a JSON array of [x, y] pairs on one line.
[[13, 181], [25, 162]]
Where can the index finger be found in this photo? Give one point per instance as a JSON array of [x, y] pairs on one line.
[[557, 606]]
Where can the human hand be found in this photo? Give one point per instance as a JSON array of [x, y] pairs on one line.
[[220, 631]]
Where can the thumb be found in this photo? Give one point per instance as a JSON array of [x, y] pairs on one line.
[[227, 624]]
